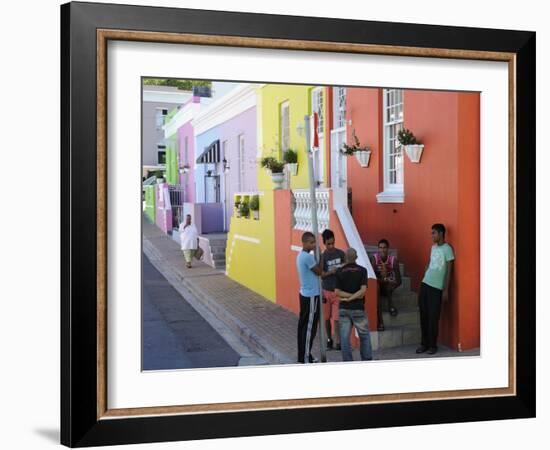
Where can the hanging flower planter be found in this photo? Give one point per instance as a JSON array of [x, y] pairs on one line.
[[276, 168], [413, 148], [414, 152], [278, 178], [292, 168], [290, 158], [363, 157], [362, 154]]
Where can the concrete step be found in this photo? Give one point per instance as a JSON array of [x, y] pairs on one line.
[[404, 317], [405, 284], [395, 336], [218, 257], [217, 242], [401, 300], [217, 248]]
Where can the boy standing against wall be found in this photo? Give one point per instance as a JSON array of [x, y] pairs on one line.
[[333, 258], [434, 288]]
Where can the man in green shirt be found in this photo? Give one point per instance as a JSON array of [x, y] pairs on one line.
[[434, 288]]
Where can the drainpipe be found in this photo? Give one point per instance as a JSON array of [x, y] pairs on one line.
[[315, 225]]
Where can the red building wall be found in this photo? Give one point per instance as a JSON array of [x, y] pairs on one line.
[[444, 188], [287, 282]]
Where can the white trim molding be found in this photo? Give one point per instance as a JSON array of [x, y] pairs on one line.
[[174, 97], [240, 237], [391, 197], [235, 102], [184, 115]]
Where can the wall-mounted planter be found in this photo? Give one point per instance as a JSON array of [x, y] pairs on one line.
[[292, 168], [363, 157], [414, 152], [278, 179]]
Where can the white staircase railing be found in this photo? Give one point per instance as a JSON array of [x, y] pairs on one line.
[[303, 209], [353, 237]]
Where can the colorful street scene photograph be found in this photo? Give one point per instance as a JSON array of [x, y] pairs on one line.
[[302, 224]]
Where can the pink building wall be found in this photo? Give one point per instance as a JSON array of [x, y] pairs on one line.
[[163, 215], [187, 180]]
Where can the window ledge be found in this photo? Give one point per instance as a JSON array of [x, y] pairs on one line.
[[390, 197]]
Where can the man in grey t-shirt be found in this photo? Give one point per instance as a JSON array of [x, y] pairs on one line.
[[333, 258]]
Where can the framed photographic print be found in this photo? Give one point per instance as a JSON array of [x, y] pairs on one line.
[[268, 220]]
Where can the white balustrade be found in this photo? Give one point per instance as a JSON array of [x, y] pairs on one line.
[[303, 210]]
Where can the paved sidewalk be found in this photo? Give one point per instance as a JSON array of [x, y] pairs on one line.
[[264, 327]]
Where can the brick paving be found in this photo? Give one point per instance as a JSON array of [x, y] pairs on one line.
[[263, 326]]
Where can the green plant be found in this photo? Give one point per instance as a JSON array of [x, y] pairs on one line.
[[290, 156], [237, 201], [272, 164], [355, 147], [406, 137], [266, 162], [244, 209], [185, 85], [277, 166], [255, 203]]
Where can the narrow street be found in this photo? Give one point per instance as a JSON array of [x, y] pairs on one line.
[[175, 336]]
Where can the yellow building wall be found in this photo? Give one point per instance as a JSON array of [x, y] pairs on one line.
[[250, 252], [299, 98]]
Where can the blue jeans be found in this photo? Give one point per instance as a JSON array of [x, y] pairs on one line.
[[357, 318]]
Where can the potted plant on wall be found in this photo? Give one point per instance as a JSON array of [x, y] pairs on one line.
[[413, 148], [290, 157], [237, 206], [277, 175], [255, 206], [266, 162], [275, 168], [244, 209], [362, 154]]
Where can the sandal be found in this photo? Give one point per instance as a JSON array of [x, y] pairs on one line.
[[393, 311]]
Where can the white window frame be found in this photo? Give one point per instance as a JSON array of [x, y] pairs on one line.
[[159, 116], [317, 105], [339, 118], [338, 134], [393, 192], [242, 162], [186, 151], [285, 126]]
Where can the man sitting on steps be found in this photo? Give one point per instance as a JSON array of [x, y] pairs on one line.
[[388, 274]]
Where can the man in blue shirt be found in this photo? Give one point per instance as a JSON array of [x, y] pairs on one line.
[[308, 271]]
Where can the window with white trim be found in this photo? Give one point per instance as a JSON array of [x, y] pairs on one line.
[[393, 152], [186, 151], [339, 103], [242, 163], [317, 106], [160, 115], [285, 126]]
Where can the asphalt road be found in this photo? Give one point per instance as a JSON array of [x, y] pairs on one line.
[[174, 335]]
